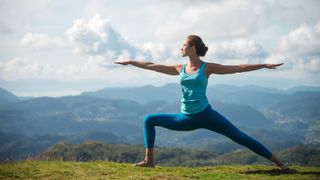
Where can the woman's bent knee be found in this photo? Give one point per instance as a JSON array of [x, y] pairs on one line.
[[149, 119]]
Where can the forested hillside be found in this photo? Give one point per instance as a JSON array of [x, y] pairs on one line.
[[280, 119]]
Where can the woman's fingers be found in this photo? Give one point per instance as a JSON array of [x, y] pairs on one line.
[[122, 62], [279, 64], [273, 66]]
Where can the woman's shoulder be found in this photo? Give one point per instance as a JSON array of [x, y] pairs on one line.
[[210, 65], [179, 67]]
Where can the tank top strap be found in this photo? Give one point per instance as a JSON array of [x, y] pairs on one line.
[[182, 68], [203, 65]]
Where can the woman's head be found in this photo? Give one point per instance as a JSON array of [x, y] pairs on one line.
[[194, 44]]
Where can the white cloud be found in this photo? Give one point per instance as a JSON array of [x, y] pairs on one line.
[[303, 41], [238, 49], [97, 37], [41, 41], [233, 51], [21, 68], [157, 27], [93, 68], [216, 20], [301, 48], [307, 65], [163, 52]]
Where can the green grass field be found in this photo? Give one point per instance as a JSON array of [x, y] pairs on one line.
[[110, 170]]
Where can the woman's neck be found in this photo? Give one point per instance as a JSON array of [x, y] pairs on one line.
[[194, 61]]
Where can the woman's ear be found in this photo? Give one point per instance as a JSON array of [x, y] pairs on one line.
[[192, 48]]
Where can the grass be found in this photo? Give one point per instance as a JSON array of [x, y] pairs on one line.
[[111, 170]]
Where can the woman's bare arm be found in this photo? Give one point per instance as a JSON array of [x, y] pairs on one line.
[[166, 69], [214, 68]]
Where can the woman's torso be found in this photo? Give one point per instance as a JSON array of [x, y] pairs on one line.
[[193, 86]]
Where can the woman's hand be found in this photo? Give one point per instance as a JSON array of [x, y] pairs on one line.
[[122, 62], [273, 66]]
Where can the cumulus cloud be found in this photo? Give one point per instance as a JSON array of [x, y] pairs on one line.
[[92, 68], [41, 41], [311, 65], [234, 51], [214, 20], [238, 49], [96, 36], [301, 48], [165, 25], [303, 41], [19, 68], [165, 52]]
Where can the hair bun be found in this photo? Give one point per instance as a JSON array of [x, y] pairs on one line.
[[201, 48]]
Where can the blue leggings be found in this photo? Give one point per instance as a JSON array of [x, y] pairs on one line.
[[207, 119]]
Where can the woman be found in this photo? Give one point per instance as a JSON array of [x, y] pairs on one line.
[[195, 110]]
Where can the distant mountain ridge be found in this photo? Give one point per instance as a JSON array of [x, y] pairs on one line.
[[279, 118], [255, 96], [143, 94], [7, 97]]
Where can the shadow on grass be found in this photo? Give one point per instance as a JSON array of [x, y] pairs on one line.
[[279, 172]]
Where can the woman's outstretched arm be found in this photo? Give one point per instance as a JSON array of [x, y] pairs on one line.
[[166, 69], [214, 68]]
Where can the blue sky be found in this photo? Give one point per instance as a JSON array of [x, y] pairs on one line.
[[72, 44]]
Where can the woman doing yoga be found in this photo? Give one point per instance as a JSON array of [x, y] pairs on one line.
[[196, 111]]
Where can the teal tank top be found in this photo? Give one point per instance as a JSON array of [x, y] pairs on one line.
[[194, 88]]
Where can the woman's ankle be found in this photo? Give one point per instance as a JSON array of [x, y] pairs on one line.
[[277, 161], [149, 161], [144, 163], [284, 167]]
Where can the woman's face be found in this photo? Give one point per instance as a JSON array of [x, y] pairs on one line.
[[186, 50]]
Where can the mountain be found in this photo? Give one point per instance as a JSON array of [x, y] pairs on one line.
[[74, 114], [94, 151], [299, 112], [254, 96], [250, 88], [304, 105], [303, 88], [7, 97], [278, 118], [69, 115], [242, 114], [16, 146], [298, 155], [78, 115], [144, 94]]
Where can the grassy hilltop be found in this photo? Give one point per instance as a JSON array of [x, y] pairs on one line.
[[111, 170]]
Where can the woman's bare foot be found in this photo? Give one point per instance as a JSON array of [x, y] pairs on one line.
[[144, 163], [279, 163], [284, 168]]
